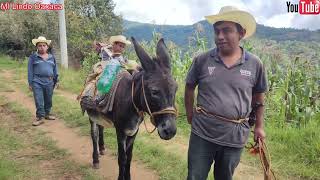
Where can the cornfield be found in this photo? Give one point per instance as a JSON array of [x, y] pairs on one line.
[[294, 84]]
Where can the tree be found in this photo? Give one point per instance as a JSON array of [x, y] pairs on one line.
[[88, 21], [19, 27]]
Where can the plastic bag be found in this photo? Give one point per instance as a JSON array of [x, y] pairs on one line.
[[109, 73]]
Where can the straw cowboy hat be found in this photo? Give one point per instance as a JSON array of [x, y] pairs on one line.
[[233, 14], [41, 39], [119, 38]]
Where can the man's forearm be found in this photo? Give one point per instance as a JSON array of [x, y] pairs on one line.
[[259, 117], [189, 100], [258, 99]]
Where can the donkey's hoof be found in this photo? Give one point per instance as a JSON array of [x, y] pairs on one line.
[[95, 166], [102, 152]]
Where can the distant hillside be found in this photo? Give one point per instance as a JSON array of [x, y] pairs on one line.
[[180, 34], [142, 31]]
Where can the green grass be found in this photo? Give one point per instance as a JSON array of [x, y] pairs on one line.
[[9, 145], [7, 63], [71, 113], [13, 144], [297, 150], [167, 164], [4, 87], [71, 80]]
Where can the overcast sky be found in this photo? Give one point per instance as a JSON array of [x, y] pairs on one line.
[[185, 12]]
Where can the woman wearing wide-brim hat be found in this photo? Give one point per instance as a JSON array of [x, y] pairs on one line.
[[42, 77]]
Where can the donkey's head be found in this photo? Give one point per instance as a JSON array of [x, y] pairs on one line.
[[159, 89]]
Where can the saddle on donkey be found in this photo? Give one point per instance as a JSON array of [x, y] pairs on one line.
[[101, 85]]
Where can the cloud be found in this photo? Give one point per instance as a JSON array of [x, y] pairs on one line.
[[200, 8], [160, 12], [262, 10], [267, 8], [171, 11], [279, 20], [311, 22]]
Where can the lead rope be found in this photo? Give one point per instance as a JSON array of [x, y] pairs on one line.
[[265, 159], [140, 113], [149, 111], [167, 110]]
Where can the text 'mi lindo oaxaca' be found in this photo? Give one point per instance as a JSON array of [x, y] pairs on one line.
[[4, 6]]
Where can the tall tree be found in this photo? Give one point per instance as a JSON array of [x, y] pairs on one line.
[[89, 20]]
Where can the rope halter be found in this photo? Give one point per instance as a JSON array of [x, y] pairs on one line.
[[167, 110]]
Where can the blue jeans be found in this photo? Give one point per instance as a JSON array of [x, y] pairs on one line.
[[201, 155], [43, 98]]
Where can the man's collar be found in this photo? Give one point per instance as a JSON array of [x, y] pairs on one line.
[[214, 53]]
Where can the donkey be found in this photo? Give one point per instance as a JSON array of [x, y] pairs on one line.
[[151, 90]]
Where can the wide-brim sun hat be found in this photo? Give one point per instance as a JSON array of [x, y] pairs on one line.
[[233, 14], [41, 39], [119, 38]]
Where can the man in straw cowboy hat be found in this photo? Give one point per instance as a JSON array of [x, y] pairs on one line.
[[114, 50], [42, 77], [119, 39], [118, 44], [230, 82], [115, 47]]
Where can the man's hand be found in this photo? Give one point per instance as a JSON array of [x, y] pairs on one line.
[[30, 88], [259, 133]]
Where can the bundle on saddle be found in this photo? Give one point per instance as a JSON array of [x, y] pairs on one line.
[[101, 85]]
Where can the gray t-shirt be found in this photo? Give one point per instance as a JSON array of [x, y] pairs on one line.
[[226, 92]]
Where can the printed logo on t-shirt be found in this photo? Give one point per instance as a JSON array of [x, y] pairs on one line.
[[211, 69], [245, 72]]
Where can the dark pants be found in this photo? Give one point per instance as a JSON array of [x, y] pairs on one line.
[[201, 155], [43, 98]]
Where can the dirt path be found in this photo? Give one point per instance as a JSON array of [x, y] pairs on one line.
[[6, 74], [34, 156], [80, 147], [68, 95]]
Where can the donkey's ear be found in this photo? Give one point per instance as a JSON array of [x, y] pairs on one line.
[[163, 55], [146, 62]]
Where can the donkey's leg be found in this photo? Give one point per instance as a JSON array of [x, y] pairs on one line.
[[94, 137], [129, 144], [122, 156], [101, 140]]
